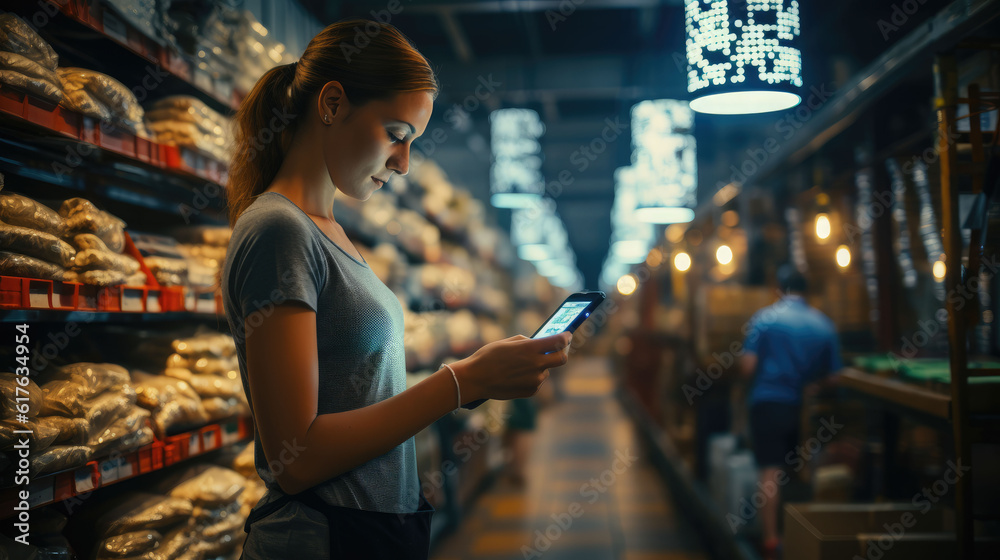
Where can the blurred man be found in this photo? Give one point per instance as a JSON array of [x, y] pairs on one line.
[[788, 346]]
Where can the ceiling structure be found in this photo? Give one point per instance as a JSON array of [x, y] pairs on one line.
[[582, 64]]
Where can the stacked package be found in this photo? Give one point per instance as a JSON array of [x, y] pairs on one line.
[[85, 410], [164, 258], [100, 96], [31, 244], [196, 515], [186, 121], [99, 238], [204, 248], [256, 50], [27, 61], [209, 365]]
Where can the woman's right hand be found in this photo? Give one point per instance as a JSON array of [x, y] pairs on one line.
[[511, 368]]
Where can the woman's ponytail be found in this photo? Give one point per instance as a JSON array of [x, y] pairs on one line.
[[260, 144], [386, 64]]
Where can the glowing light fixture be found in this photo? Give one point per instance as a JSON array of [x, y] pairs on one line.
[[516, 173], [743, 57], [655, 258], [627, 285], [534, 252], [843, 256], [822, 226], [663, 173], [630, 251], [682, 261], [939, 270], [724, 254]]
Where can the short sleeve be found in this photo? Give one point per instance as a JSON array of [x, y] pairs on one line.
[[276, 261]]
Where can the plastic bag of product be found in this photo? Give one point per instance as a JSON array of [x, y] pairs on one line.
[[218, 408], [205, 516], [104, 409], [108, 91], [137, 278], [18, 37], [34, 243], [11, 390], [46, 433], [221, 545], [142, 511], [167, 270], [126, 427], [13, 264], [208, 386], [175, 360], [208, 486], [26, 66], [41, 436], [36, 86], [101, 278], [179, 104], [59, 457], [94, 377], [176, 542], [18, 210], [154, 391], [83, 217], [213, 236], [225, 525], [164, 118], [82, 102], [90, 259], [208, 345], [129, 544], [63, 398], [84, 241], [72, 431]]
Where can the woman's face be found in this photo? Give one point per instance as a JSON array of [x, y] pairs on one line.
[[365, 145]]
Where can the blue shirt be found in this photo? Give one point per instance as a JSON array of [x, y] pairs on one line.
[[795, 345]]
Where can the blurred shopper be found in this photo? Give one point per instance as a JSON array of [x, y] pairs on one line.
[[319, 337], [788, 346]]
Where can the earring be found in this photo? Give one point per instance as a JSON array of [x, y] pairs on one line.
[[326, 118]]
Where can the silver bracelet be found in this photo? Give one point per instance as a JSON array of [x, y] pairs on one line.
[[457, 387]]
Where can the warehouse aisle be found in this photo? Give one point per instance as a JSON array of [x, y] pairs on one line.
[[591, 491]]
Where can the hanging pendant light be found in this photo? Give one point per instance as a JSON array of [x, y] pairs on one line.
[[663, 173], [743, 57], [516, 173]]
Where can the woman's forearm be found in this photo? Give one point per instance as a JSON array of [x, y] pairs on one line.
[[336, 443]]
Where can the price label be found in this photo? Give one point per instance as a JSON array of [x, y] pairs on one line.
[[114, 27], [230, 433], [131, 300], [208, 440], [153, 303], [109, 471], [41, 492], [124, 468], [193, 446], [83, 480], [38, 296]]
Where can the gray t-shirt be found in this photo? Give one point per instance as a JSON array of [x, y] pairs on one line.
[[278, 254]]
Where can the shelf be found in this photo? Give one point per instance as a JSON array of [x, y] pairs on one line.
[[906, 395], [56, 119], [98, 473], [91, 21]]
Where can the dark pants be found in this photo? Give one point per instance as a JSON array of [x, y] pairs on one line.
[[774, 429]]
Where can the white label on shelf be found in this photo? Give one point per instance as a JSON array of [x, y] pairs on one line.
[[193, 446], [38, 297], [230, 433], [124, 468], [203, 80], [84, 482], [114, 27], [109, 471], [41, 492], [208, 440], [131, 300], [153, 303]]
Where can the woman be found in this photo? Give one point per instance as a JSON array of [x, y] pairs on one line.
[[319, 337]]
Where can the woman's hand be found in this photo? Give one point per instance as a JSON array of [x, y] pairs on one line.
[[511, 368]]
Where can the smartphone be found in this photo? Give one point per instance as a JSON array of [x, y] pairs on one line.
[[570, 315]]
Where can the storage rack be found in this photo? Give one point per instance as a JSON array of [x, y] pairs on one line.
[[843, 112], [135, 175]]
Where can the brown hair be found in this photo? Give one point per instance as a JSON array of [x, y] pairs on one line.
[[371, 60]]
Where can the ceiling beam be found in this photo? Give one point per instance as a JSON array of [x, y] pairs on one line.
[[456, 36]]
